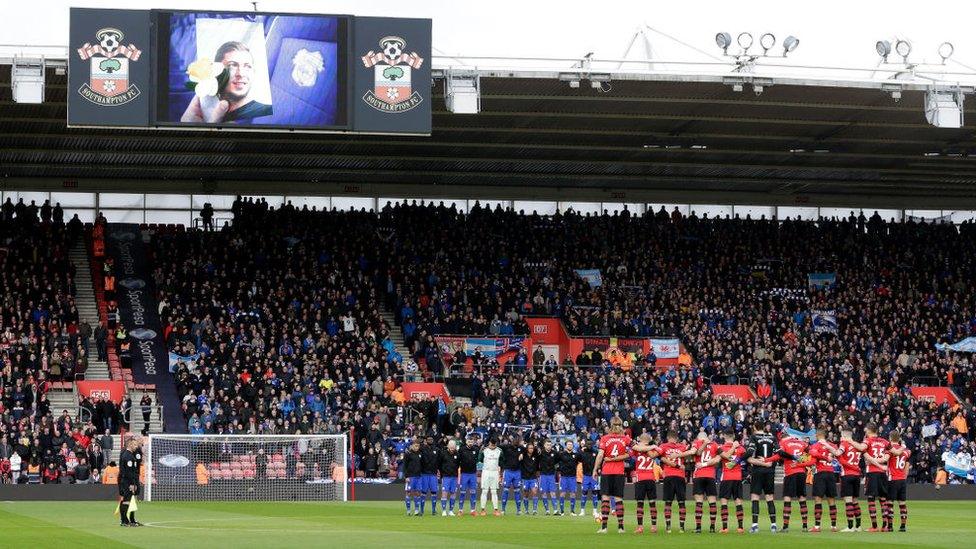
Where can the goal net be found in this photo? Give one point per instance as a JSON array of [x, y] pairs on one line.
[[246, 467]]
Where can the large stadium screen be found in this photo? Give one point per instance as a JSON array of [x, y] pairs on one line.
[[251, 69], [247, 70]]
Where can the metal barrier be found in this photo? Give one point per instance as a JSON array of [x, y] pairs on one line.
[[938, 382], [496, 369], [134, 415], [218, 222]]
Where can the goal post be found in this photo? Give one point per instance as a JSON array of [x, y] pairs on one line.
[[246, 467]]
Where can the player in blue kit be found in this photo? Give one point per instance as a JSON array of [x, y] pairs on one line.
[[547, 476], [449, 478], [590, 485], [568, 461], [412, 473], [429, 467], [530, 479], [468, 463], [512, 472]]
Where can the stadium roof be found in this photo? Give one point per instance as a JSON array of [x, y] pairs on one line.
[[653, 134]]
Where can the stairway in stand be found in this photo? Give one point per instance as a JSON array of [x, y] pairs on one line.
[[98, 369], [87, 307]]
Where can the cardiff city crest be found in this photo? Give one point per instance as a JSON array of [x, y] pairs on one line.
[[392, 92], [109, 84]]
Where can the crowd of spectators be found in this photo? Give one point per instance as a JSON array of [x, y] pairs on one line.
[[278, 318], [278, 322], [42, 341]]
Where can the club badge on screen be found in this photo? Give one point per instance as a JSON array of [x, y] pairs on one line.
[[392, 92], [109, 83]]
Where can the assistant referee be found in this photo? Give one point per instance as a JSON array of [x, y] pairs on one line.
[[129, 460]]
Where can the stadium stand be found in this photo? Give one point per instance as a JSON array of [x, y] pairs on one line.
[[279, 321], [43, 346]]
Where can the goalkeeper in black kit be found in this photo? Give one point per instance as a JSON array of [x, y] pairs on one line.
[[129, 461]]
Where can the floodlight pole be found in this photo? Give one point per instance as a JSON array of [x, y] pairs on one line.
[[640, 33]]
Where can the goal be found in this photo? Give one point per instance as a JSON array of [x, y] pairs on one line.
[[246, 467]]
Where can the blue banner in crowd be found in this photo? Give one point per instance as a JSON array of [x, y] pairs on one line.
[[809, 436], [824, 321], [959, 464], [139, 313], [175, 359], [967, 345], [821, 280], [593, 277]]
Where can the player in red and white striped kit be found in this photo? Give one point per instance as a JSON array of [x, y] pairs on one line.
[[733, 454], [898, 481], [824, 480], [793, 454], [645, 480], [703, 479], [609, 467], [850, 478], [876, 483]]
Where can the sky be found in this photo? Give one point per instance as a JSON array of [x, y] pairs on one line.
[[831, 32]]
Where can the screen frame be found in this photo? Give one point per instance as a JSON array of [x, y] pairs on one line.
[[160, 36]]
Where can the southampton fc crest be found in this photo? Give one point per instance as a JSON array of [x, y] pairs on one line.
[[109, 84], [391, 91]]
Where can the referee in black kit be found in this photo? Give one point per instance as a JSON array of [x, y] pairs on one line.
[[129, 460]]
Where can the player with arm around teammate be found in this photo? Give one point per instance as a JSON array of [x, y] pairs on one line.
[[876, 482], [897, 480], [824, 479], [793, 453], [672, 454], [609, 467], [850, 478], [762, 446], [703, 479], [732, 454], [879, 453], [645, 485]]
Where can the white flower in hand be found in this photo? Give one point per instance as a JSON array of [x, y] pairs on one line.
[[206, 88]]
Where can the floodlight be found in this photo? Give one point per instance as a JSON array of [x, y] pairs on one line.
[[745, 41], [945, 51], [723, 40], [790, 44], [767, 41], [904, 48], [883, 47]]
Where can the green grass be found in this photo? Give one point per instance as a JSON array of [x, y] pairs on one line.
[[374, 524]]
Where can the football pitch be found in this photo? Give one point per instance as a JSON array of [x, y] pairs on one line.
[[375, 524]]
